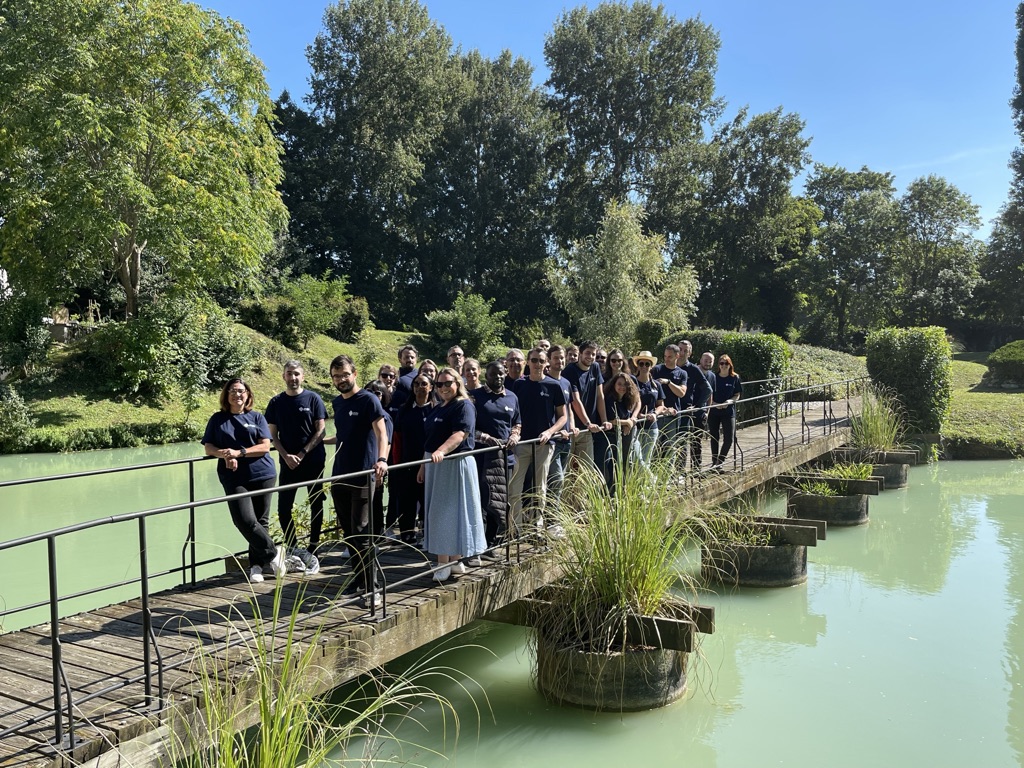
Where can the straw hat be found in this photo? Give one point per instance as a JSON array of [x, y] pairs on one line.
[[645, 355]]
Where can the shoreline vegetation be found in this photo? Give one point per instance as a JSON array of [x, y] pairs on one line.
[[72, 415]]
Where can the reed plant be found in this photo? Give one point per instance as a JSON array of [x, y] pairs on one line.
[[816, 488], [278, 712], [880, 426], [854, 470]]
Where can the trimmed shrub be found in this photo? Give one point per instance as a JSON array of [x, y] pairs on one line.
[[1006, 365], [354, 318], [915, 365], [649, 332], [471, 322]]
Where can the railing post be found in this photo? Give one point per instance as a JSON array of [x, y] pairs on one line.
[[55, 650], [192, 517], [147, 619]]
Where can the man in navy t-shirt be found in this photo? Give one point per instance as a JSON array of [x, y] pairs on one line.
[[362, 441], [296, 418], [698, 392], [673, 383], [587, 400], [542, 408], [562, 442]]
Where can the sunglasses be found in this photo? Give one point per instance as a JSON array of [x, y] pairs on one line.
[[445, 384], [644, 364], [387, 375], [616, 360], [537, 360]]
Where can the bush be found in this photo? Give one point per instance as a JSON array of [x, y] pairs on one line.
[[24, 340], [317, 305], [1006, 365], [15, 420], [354, 318], [471, 322], [649, 332], [273, 316], [915, 365]]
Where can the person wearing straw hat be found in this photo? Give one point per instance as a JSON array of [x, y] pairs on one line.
[[652, 405]]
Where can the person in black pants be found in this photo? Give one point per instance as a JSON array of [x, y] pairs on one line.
[[406, 497], [722, 416], [296, 418], [362, 440], [240, 439]]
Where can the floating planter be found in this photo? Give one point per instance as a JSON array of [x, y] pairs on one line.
[[762, 552], [808, 503]]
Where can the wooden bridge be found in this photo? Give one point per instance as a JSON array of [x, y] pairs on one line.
[[119, 715]]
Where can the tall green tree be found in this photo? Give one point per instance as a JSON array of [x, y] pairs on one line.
[[383, 79], [849, 279], [608, 283], [629, 83], [937, 256], [133, 135]]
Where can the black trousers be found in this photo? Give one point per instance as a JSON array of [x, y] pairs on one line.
[[251, 517], [286, 502], [405, 501], [721, 421], [355, 511]]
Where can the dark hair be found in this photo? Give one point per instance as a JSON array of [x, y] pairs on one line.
[[585, 345], [406, 348], [225, 404], [632, 394], [342, 361], [377, 387]]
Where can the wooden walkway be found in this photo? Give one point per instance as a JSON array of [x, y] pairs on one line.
[[102, 650]]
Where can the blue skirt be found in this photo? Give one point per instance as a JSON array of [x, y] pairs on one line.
[[453, 523]]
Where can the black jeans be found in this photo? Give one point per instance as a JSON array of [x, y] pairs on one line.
[[721, 420], [286, 502], [251, 517], [405, 501], [355, 511]]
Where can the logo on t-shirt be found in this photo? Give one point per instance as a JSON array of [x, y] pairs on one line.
[[353, 413]]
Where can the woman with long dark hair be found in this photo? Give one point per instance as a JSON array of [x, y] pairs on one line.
[[622, 405], [722, 415], [240, 439]]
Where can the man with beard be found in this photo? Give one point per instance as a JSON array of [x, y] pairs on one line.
[[698, 392]]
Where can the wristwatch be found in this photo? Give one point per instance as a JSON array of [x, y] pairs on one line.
[[381, 458], [242, 451]]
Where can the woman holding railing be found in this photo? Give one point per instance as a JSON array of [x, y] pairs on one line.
[[722, 415], [240, 439]]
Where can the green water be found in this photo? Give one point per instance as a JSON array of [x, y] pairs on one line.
[[903, 648], [108, 554]]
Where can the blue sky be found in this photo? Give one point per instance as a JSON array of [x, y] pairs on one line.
[[905, 86]]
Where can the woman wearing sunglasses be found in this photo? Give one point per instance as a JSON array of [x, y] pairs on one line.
[[652, 405], [722, 416]]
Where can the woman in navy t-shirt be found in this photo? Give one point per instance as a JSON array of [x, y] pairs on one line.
[[722, 416], [240, 439]]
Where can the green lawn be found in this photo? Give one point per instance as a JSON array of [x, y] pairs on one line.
[[982, 423]]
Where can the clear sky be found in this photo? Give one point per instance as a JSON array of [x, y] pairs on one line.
[[914, 87]]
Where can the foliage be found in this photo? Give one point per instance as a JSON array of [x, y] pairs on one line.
[[369, 351], [984, 425], [136, 137], [754, 355], [24, 340], [1006, 364], [630, 84], [317, 305], [816, 488], [608, 283], [849, 470], [880, 424], [649, 333], [915, 365], [15, 420], [355, 316], [816, 364], [273, 316], [52, 439], [471, 322], [296, 724], [188, 344]]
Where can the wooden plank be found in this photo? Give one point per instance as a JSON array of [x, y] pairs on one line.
[[820, 526]]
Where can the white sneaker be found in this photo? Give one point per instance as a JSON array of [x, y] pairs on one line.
[[277, 565], [256, 574], [474, 562], [459, 567], [556, 532], [442, 575]]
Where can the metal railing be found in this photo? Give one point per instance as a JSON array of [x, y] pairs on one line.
[[65, 705]]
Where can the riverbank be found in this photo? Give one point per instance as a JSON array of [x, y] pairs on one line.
[[983, 423]]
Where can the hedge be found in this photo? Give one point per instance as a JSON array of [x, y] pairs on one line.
[[916, 365], [1006, 364]]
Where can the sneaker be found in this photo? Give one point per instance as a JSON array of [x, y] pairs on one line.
[[473, 562], [442, 575], [556, 532], [459, 567], [277, 565], [493, 554], [344, 553], [310, 562], [256, 574], [372, 601]]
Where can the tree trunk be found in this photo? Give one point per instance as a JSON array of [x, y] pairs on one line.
[[128, 258]]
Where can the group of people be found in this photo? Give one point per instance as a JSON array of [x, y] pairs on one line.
[[544, 408]]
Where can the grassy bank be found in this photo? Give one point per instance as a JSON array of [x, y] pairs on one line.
[[72, 413], [984, 423]]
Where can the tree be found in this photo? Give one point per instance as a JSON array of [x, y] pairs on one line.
[[610, 282], [470, 322], [850, 275], [133, 134], [937, 256], [317, 305], [630, 83]]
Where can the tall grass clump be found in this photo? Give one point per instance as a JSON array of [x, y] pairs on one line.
[[279, 713], [622, 556], [856, 470], [880, 425]]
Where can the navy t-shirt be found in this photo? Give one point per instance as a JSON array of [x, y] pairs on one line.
[[725, 388], [567, 394], [586, 383], [537, 403], [677, 376], [295, 417], [447, 419], [353, 423], [698, 389], [411, 427], [237, 431], [496, 414], [650, 393]]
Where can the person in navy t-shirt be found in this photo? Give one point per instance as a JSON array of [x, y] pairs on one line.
[[240, 439], [587, 400], [697, 393], [362, 440], [722, 416], [296, 418], [498, 423], [673, 382]]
